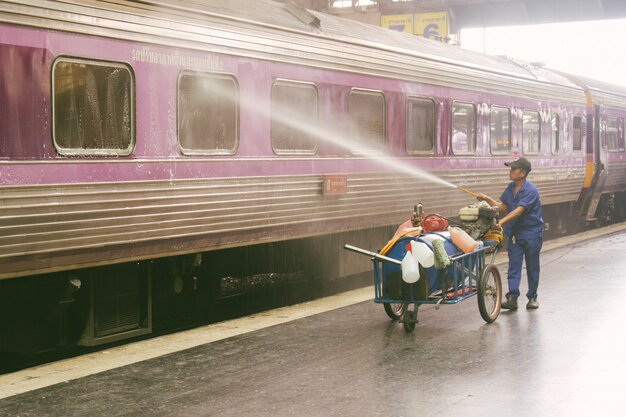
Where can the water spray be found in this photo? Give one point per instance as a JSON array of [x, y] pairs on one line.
[[291, 118]]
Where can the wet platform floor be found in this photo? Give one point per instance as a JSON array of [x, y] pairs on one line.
[[565, 359]]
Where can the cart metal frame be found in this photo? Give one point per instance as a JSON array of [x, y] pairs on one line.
[[472, 275]]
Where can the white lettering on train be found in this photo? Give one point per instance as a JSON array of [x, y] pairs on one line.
[[149, 56]]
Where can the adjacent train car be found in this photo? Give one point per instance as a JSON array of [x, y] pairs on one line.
[[150, 150], [602, 199]]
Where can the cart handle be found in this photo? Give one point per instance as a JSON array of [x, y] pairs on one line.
[[372, 254]]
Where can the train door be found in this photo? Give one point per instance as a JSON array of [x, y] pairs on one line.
[[600, 158]]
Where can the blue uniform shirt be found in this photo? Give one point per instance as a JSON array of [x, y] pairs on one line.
[[530, 223]]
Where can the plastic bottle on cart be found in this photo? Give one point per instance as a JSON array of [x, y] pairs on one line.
[[462, 240], [422, 254], [410, 269]]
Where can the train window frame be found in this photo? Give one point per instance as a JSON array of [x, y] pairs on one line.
[[555, 134], [185, 150], [130, 108], [614, 146], [474, 125], [433, 121], [506, 151], [281, 82], [525, 149], [351, 125], [577, 134]]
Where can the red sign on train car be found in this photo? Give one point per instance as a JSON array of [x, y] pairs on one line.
[[335, 184]]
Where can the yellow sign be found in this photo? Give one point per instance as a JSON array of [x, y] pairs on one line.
[[431, 25], [399, 22]]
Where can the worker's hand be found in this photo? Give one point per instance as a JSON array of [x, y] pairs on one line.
[[481, 196]]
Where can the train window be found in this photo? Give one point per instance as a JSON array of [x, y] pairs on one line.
[[294, 117], [578, 133], [93, 107], [420, 125], [555, 129], [500, 130], [612, 135], [208, 113], [463, 133], [531, 128], [366, 110]]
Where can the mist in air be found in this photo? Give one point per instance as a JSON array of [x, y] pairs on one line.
[[579, 48], [308, 124]]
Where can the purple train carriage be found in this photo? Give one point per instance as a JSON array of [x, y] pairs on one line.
[[151, 150]]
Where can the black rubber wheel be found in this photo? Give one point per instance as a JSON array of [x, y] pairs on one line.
[[409, 318], [490, 293], [394, 310]]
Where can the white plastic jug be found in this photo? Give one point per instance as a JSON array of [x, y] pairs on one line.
[[423, 254], [410, 269]]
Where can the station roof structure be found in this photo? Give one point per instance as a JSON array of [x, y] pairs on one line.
[[479, 13], [485, 13]]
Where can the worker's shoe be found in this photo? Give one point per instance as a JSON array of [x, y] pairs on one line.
[[533, 304], [510, 303]]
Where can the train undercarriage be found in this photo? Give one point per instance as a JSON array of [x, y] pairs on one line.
[[70, 312]]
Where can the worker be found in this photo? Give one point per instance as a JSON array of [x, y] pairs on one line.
[[523, 226]]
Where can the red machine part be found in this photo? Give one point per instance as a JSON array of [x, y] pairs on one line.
[[434, 223]]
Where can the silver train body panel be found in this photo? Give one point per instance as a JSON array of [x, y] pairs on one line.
[[43, 228]]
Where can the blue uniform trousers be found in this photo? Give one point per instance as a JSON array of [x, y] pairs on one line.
[[520, 248]]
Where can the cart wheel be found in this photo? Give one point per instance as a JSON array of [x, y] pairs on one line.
[[409, 318], [490, 293], [394, 310]]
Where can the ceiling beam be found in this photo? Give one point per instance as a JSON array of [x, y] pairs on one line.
[[486, 13]]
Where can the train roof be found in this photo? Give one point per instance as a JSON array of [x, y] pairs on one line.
[[271, 30], [352, 31], [277, 14], [603, 92]]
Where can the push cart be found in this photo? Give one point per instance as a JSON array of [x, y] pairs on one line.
[[467, 275]]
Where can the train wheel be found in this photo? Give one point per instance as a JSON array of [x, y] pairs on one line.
[[490, 293], [394, 310], [409, 319]]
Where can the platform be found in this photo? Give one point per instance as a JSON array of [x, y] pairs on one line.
[[564, 359]]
